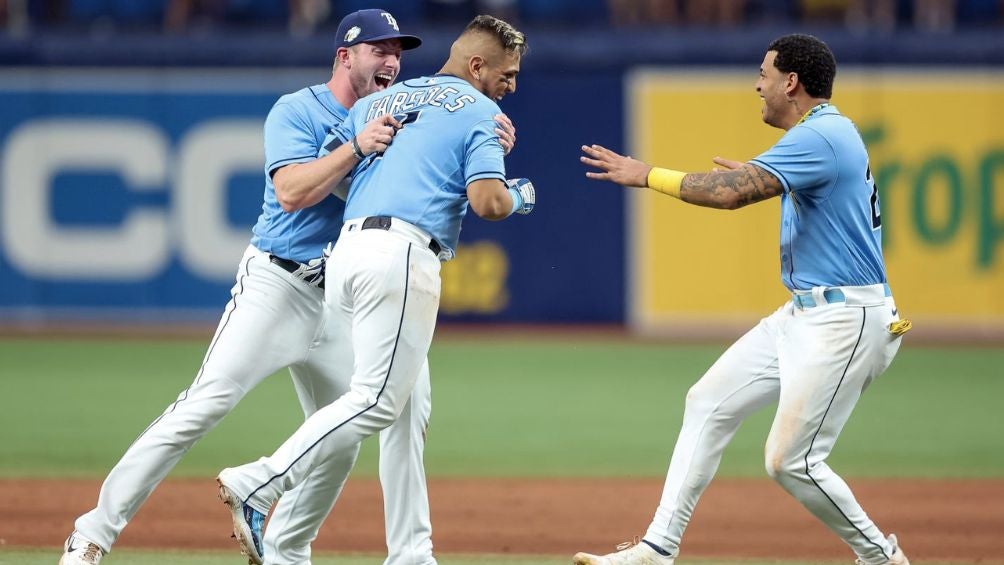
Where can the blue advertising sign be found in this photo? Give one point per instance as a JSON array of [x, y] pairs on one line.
[[129, 195]]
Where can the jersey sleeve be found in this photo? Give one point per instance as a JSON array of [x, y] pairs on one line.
[[338, 135], [484, 157], [289, 137], [801, 160]]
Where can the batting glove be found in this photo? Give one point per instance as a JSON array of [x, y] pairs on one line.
[[311, 272], [523, 195]]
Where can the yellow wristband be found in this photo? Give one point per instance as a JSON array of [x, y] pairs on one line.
[[666, 181]]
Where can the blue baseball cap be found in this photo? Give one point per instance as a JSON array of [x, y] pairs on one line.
[[367, 26]]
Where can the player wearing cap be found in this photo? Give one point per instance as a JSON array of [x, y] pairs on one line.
[[403, 217], [274, 320]]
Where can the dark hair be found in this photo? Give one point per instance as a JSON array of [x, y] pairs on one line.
[[810, 59], [509, 37]]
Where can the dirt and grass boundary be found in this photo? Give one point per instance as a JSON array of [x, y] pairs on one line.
[[936, 520]]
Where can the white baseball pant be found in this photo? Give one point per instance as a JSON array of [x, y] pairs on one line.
[[815, 362], [274, 320], [382, 294]]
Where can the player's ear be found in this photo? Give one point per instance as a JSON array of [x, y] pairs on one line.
[[475, 65], [791, 85], [342, 57]]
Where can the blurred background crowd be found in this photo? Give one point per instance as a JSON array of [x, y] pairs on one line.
[[150, 234], [305, 17]]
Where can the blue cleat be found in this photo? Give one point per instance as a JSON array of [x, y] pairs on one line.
[[248, 524]]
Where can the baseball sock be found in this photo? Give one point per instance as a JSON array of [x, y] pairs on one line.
[[657, 549]]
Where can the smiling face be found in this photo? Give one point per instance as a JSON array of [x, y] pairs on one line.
[[772, 88], [496, 75], [373, 66]]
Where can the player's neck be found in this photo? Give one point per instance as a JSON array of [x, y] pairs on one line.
[[458, 70], [341, 89], [801, 108]]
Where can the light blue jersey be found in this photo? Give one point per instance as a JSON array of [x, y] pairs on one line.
[[448, 142], [294, 131], [831, 227]]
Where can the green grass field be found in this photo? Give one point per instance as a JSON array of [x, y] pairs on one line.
[[541, 407], [560, 407]]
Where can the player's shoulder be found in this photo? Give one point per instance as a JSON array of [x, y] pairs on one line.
[[481, 102], [832, 128], [309, 99], [815, 131], [827, 120], [297, 98], [488, 108]]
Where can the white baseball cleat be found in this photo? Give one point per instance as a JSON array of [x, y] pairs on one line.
[[898, 557], [247, 522], [628, 553], [79, 550]]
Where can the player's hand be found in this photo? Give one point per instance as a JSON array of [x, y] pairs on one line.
[[523, 194], [506, 132], [725, 165], [615, 167], [378, 134]]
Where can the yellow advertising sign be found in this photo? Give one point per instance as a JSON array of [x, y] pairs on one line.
[[936, 143]]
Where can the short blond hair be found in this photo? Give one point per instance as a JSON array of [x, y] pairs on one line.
[[511, 39]]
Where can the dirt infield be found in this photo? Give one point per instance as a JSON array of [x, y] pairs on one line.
[[935, 520]]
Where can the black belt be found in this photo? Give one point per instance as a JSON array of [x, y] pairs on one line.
[[289, 265], [383, 223]]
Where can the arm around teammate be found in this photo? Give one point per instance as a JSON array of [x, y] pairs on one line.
[[301, 185]]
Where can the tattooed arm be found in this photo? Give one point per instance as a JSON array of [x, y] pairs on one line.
[[730, 189], [734, 186]]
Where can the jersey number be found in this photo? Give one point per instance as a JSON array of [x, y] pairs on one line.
[[403, 118], [876, 211], [408, 117]]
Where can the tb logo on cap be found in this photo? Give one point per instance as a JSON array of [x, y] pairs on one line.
[[390, 21]]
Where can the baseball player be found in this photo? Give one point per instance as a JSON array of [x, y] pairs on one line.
[[403, 216], [816, 354], [274, 320]]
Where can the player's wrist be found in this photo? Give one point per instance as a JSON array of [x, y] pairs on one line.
[[666, 181], [517, 200], [356, 150], [523, 195]]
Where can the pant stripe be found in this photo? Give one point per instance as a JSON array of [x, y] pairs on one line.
[[216, 338], [397, 338], [864, 317]]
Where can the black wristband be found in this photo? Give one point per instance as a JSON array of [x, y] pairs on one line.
[[357, 151]]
